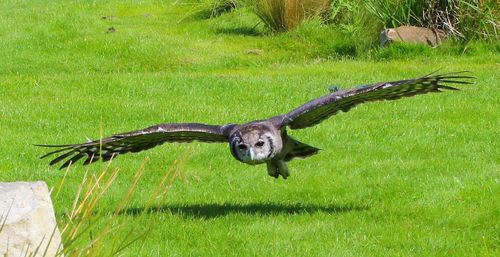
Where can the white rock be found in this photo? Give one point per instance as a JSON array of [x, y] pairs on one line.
[[27, 211]]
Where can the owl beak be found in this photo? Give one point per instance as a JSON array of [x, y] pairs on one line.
[[252, 154]]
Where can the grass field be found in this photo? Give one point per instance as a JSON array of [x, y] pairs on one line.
[[415, 177]]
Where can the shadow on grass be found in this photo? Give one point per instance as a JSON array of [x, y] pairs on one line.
[[262, 209]]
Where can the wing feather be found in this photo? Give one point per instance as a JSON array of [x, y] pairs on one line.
[[72, 160], [317, 110], [136, 141]]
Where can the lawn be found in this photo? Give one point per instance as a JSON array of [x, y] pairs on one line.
[[414, 177]]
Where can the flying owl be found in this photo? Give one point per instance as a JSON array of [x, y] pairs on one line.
[[261, 141]]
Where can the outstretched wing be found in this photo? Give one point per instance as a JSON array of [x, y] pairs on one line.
[[315, 111], [136, 141]]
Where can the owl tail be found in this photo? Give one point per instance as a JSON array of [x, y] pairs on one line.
[[300, 150]]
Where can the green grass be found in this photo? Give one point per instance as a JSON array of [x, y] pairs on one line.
[[415, 177]]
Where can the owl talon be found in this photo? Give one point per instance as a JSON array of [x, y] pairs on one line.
[[277, 168], [284, 174], [272, 170]]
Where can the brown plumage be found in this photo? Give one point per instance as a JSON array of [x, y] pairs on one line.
[[262, 141]]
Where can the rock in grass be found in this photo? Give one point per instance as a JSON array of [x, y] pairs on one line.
[[412, 34], [27, 220]]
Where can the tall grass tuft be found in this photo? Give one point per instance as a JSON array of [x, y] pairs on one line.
[[285, 15], [218, 7], [207, 9], [93, 229], [222, 6]]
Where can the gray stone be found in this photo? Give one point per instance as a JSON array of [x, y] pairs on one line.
[[28, 220], [412, 34]]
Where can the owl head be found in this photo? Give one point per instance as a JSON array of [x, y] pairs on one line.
[[255, 144]]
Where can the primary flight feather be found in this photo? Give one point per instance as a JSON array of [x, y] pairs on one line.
[[261, 141]]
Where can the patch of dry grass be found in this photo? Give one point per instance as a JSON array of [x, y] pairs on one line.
[[285, 15]]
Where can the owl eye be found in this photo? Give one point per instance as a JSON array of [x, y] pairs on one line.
[[259, 144]]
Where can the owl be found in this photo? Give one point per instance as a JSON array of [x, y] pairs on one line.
[[256, 142]]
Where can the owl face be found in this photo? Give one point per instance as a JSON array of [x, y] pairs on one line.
[[254, 146]]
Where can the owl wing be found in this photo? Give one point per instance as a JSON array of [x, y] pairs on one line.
[[317, 110], [139, 140]]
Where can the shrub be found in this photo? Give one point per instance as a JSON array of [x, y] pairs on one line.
[[462, 18], [479, 19], [357, 26]]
